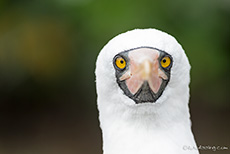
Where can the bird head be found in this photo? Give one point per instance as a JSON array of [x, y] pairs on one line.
[[142, 68]]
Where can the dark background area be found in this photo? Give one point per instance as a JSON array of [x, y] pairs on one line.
[[48, 51]]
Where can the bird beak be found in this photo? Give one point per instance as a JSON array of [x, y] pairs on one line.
[[144, 67], [146, 70]]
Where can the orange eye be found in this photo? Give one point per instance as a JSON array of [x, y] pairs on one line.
[[120, 62], [165, 62]]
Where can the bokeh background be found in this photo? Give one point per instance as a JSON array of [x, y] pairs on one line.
[[48, 51]]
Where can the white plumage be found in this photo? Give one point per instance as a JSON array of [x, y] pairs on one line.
[[160, 127]]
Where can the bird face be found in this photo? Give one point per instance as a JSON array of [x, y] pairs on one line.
[[143, 73], [141, 68]]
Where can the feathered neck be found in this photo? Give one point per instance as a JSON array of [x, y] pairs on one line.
[[145, 128]]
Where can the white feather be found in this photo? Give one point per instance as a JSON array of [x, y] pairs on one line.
[[150, 128]]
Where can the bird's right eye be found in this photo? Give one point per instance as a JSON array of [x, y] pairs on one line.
[[120, 62]]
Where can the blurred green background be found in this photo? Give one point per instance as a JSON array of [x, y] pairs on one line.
[[48, 51]]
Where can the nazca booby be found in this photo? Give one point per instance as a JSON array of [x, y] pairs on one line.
[[142, 83]]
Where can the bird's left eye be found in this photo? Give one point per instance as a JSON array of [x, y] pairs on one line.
[[120, 62], [165, 62]]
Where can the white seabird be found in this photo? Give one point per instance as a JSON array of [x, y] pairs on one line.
[[142, 82]]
